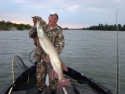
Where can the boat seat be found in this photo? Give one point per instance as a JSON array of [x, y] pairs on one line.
[[20, 92]]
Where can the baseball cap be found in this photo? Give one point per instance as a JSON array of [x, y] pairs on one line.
[[55, 15], [37, 17]]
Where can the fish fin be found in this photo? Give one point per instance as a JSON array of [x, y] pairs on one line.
[[62, 83], [54, 74]]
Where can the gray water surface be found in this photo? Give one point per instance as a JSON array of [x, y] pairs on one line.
[[94, 53]]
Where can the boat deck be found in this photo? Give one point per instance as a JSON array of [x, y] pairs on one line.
[[76, 88]]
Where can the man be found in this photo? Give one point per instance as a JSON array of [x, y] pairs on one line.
[[54, 33]]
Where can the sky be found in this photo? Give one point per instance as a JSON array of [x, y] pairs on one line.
[[72, 13]]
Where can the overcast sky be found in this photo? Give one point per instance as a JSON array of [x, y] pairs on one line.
[[72, 13]]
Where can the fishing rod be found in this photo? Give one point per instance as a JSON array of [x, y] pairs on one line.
[[30, 58], [117, 72]]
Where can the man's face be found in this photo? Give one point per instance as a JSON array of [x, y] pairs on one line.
[[34, 20], [53, 20]]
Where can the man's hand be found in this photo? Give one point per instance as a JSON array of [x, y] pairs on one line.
[[47, 59], [65, 67]]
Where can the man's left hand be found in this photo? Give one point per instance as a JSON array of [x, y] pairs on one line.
[[65, 67], [47, 59]]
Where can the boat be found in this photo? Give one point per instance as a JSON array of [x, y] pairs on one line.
[[24, 81]]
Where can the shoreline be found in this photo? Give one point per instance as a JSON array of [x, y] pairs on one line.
[[13, 29]]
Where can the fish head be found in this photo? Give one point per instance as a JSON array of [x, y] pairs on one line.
[[40, 30], [38, 24]]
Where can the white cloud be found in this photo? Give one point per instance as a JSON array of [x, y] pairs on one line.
[[118, 2], [73, 8], [56, 1], [94, 9], [19, 1]]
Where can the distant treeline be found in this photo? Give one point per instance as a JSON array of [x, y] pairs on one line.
[[107, 27], [101, 27], [13, 26]]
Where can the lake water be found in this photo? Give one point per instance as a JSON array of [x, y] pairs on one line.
[[94, 53]]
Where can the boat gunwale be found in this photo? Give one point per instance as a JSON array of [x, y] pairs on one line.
[[71, 72]]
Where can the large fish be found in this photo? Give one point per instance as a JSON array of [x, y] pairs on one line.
[[53, 54]]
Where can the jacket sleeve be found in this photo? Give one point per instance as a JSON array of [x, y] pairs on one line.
[[60, 41], [33, 32]]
